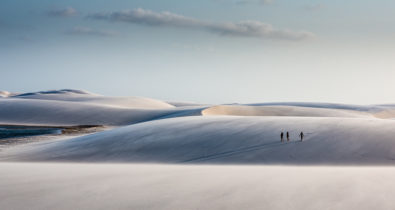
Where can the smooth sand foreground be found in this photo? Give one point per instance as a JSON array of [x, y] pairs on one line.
[[146, 186]]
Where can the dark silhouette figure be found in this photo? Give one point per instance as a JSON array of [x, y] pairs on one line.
[[287, 136], [301, 136], [282, 136]]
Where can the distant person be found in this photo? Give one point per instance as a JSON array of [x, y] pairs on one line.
[[282, 136], [287, 136], [301, 136]]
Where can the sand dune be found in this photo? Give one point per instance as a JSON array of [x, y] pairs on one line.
[[182, 104], [66, 113], [87, 97], [282, 111], [189, 135], [334, 133], [364, 108], [227, 139], [77, 107]]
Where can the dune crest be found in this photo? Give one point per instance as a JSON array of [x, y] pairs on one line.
[[239, 110]]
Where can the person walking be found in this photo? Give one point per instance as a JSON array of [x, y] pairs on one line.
[[287, 136], [301, 136], [282, 136]]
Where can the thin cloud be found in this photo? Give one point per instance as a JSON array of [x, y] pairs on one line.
[[148, 17], [259, 30], [167, 19], [90, 32], [65, 12]]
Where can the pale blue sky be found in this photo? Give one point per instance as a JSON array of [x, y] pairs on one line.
[[203, 51]]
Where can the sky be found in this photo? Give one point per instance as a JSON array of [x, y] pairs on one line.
[[208, 51]]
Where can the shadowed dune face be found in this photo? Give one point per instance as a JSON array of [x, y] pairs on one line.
[[282, 111], [57, 92]]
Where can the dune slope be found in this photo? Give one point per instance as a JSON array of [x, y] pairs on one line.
[[227, 139], [66, 113], [91, 98]]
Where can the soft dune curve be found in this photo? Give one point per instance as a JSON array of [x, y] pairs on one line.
[[239, 110]]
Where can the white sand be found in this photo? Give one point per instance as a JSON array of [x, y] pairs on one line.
[[227, 139], [153, 131], [111, 186], [66, 113], [92, 98], [283, 111]]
